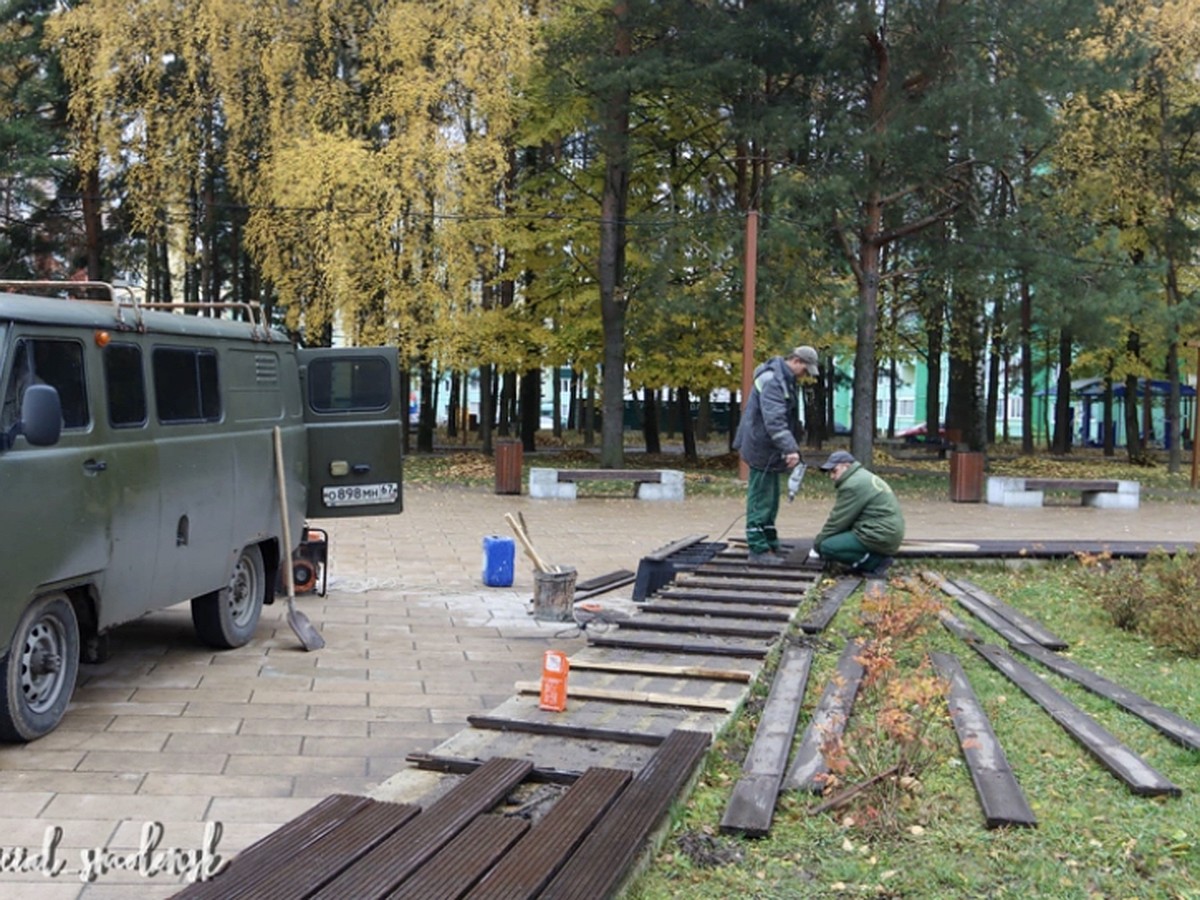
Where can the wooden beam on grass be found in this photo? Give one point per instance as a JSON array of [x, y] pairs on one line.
[[999, 793], [752, 804]]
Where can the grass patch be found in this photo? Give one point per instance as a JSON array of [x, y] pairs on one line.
[[1094, 838]]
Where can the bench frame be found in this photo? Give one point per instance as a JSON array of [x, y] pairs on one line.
[[1003, 490], [649, 484]]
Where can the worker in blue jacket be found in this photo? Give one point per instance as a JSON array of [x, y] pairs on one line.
[[766, 440]]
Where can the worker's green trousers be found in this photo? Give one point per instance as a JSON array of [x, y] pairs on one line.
[[762, 506]]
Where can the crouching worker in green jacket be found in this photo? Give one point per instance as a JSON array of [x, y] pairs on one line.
[[865, 526]]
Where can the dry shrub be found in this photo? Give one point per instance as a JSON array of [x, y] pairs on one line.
[[897, 727], [1159, 598]]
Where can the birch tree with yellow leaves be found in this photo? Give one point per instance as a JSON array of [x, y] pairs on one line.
[[1130, 163]]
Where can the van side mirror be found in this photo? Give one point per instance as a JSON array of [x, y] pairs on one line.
[[41, 415]]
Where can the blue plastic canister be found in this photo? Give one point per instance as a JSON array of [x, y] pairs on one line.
[[498, 555]]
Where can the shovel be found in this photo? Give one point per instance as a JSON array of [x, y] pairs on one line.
[[519, 531], [309, 636]]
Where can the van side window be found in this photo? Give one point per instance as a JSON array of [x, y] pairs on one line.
[[125, 384], [186, 387], [353, 383], [53, 362]]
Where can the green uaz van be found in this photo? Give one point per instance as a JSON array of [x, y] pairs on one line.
[[137, 470]]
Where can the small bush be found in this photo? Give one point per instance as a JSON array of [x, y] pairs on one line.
[[1159, 598]]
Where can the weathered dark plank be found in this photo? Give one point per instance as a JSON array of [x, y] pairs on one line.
[[751, 806], [395, 858], [758, 596], [1138, 775], [999, 793], [563, 729], [1170, 724], [458, 866], [674, 547], [980, 611], [557, 760], [606, 855], [1070, 484], [706, 625], [829, 718], [828, 605], [681, 643], [323, 859], [280, 845], [956, 626], [773, 613], [543, 851], [620, 576], [616, 659], [650, 475], [732, 583], [1037, 632]]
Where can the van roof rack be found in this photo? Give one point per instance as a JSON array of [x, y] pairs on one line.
[[253, 311]]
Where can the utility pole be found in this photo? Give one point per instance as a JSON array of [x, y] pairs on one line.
[[751, 275]]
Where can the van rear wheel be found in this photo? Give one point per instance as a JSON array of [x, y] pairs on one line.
[[39, 669], [227, 618]]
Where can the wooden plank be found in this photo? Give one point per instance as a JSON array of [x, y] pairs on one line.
[[324, 858], [759, 597], [620, 660], [999, 793], [458, 866], [828, 604], [829, 718], [646, 668], [559, 760], [711, 645], [1140, 777], [674, 547], [565, 729], [983, 613], [647, 724], [1175, 727], [600, 581], [1070, 484], [276, 848], [666, 607], [606, 855], [751, 806], [739, 582], [1037, 632], [704, 625], [388, 863], [542, 853], [649, 475], [630, 696]]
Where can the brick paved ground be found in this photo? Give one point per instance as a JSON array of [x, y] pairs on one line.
[[173, 733]]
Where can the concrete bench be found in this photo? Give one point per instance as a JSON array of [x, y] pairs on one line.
[[649, 484], [1009, 491]]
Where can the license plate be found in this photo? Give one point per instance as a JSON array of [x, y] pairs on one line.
[[361, 494]]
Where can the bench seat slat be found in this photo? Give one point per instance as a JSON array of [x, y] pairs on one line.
[[1070, 484], [649, 475]]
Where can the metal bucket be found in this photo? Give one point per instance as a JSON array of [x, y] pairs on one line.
[[554, 595]]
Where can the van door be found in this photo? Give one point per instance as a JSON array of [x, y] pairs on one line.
[[352, 409]]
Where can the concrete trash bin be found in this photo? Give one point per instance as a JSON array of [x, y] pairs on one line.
[[509, 458]]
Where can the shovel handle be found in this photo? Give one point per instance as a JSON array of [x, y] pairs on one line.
[[288, 575], [538, 562]]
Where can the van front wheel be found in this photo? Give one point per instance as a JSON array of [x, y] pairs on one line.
[[227, 618], [39, 669]]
